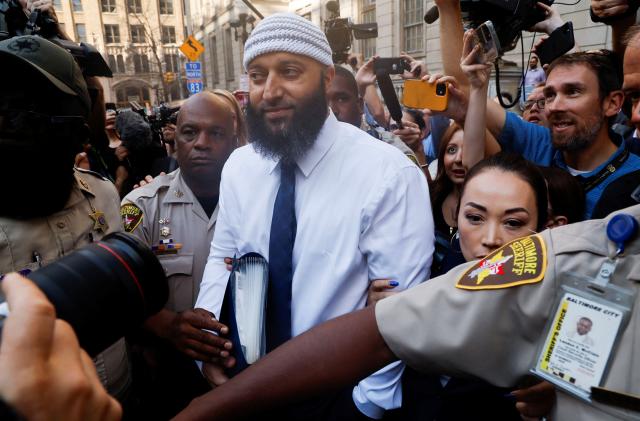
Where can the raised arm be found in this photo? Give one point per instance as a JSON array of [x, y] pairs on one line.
[[451, 32], [477, 73], [303, 367]]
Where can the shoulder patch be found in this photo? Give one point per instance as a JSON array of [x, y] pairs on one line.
[[131, 216], [522, 261]]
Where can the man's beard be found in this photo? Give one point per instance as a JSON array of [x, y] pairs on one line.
[[292, 140], [37, 183], [584, 133]]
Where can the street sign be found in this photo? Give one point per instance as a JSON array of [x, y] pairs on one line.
[[195, 86], [192, 66], [192, 48], [193, 69]]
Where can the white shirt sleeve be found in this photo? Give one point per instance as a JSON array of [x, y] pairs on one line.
[[398, 240]]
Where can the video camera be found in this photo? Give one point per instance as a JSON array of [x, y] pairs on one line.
[[14, 22], [509, 17], [160, 117], [340, 32]]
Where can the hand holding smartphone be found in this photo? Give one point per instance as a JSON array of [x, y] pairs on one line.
[[485, 36], [420, 94]]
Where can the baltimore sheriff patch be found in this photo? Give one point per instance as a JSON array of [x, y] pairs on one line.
[[131, 216], [522, 261]]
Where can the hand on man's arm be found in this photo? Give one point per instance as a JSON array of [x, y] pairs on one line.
[[188, 332], [44, 374]]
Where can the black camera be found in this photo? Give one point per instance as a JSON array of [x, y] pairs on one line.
[[340, 32], [390, 66], [441, 89], [14, 22], [105, 290], [509, 17]]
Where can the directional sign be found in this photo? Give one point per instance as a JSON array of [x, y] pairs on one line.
[[192, 48], [195, 86], [192, 66]]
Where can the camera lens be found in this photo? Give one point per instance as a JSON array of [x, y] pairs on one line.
[[105, 290], [441, 89]]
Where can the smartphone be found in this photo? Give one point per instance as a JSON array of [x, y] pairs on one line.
[[421, 94], [559, 42], [486, 36], [390, 66], [110, 106]]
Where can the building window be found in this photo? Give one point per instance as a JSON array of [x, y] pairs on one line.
[[166, 7], [109, 6], [141, 63], [228, 55], [368, 15], [81, 32], [120, 64], [213, 47], [77, 5], [172, 63], [111, 34], [168, 35], [116, 64], [134, 6], [57, 4], [413, 25], [137, 34]]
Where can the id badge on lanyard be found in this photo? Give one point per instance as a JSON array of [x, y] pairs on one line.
[[588, 318]]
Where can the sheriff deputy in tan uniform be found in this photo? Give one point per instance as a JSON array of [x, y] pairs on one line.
[[486, 319], [175, 215], [50, 209]]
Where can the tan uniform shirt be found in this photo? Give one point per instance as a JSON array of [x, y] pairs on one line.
[[170, 211], [493, 333], [29, 244]]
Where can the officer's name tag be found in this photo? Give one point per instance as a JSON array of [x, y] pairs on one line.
[[578, 344]]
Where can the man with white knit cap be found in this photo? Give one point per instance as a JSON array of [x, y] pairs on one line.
[[329, 207]]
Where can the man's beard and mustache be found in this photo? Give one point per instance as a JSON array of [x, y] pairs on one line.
[[294, 139], [37, 183], [584, 133]]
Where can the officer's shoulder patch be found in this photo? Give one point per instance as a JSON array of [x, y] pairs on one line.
[[131, 216], [522, 261]]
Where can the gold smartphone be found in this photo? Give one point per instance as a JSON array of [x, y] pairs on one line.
[[420, 94]]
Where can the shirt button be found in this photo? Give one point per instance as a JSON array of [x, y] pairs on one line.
[[61, 225]]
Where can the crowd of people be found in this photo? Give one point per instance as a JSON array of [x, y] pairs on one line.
[[369, 221]]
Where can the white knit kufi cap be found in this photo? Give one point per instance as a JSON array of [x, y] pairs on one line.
[[289, 33]]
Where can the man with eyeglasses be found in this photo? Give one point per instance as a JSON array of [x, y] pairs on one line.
[[49, 208], [581, 94], [534, 107]]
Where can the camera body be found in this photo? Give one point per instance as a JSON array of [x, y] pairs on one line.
[[509, 17], [14, 22], [390, 66], [340, 32]]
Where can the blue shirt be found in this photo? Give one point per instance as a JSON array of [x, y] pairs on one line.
[[534, 143]]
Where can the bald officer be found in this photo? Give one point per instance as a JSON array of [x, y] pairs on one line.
[[50, 209], [456, 325], [175, 215]]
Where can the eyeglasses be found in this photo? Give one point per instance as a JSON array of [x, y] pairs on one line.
[[538, 102]]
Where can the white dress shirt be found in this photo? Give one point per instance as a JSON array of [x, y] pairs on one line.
[[363, 213]]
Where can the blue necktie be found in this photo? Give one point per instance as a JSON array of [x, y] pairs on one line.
[[283, 235]]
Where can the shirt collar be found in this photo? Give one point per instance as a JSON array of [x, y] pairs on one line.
[[558, 159], [178, 192], [326, 138]]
